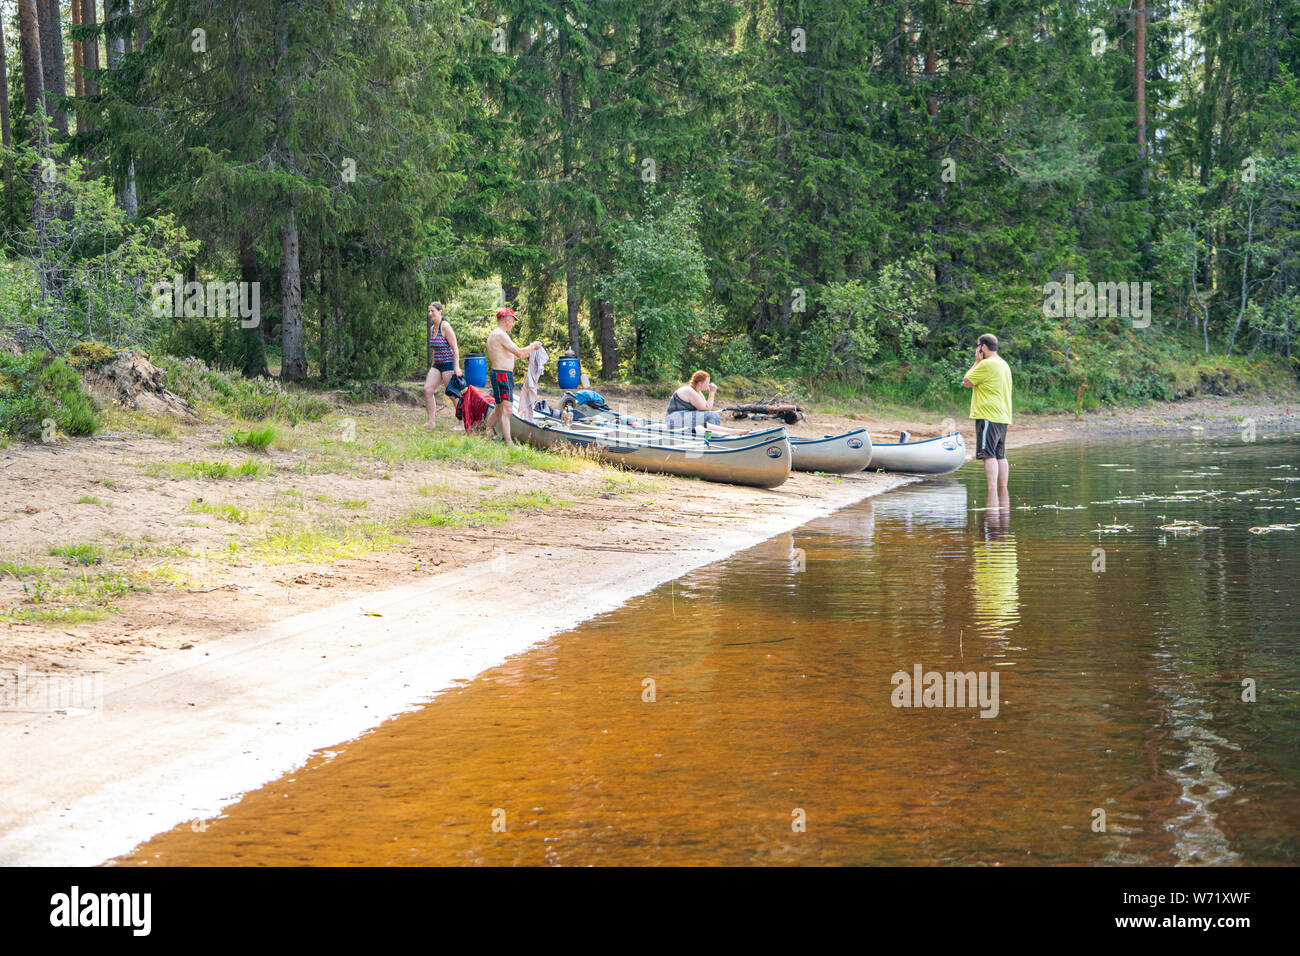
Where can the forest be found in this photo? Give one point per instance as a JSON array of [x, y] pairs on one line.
[[838, 195]]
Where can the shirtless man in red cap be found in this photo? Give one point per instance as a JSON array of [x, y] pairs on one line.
[[502, 353]]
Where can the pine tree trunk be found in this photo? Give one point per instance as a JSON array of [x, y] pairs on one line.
[[293, 361], [608, 344], [29, 33], [566, 153], [572, 303], [56, 86], [114, 45], [4, 96], [254, 345], [1140, 85], [127, 199], [89, 48], [78, 72], [141, 31], [510, 294]]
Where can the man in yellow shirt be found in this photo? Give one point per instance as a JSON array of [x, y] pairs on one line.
[[989, 380]]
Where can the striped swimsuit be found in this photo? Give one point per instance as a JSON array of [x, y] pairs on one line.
[[443, 358]]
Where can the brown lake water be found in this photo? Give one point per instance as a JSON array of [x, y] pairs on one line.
[[772, 736]]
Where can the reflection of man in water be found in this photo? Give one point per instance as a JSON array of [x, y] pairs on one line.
[[997, 574]]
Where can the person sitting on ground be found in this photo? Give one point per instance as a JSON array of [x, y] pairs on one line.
[[691, 408], [502, 354]]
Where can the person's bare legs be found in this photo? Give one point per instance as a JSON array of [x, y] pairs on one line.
[[506, 410], [431, 395], [1004, 473], [435, 385], [491, 420], [991, 469]]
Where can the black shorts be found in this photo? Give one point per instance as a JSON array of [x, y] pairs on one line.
[[503, 385], [990, 439], [444, 366]]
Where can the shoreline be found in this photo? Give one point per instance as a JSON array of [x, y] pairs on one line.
[[200, 720], [195, 733]]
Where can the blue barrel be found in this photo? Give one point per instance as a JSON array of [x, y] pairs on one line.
[[476, 370], [570, 372]]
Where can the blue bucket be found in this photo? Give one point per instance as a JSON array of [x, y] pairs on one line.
[[570, 373], [476, 370]]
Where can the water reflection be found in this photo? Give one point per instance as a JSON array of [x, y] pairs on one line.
[[996, 573], [935, 503]]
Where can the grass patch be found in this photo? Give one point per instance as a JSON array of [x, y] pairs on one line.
[[486, 513], [52, 598], [223, 511], [21, 571], [407, 445], [326, 543], [53, 615], [92, 500], [258, 399], [212, 470], [257, 439], [85, 554]]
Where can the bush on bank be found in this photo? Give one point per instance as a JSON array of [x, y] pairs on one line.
[[39, 390]]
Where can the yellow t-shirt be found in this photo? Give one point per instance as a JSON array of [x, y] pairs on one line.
[[990, 399]]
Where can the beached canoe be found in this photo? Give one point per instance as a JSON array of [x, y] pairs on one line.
[[933, 456], [764, 463], [834, 454]]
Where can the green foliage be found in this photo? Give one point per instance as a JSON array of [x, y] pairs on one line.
[[659, 282], [253, 399], [857, 318], [40, 393], [211, 470], [258, 439], [420, 149], [78, 553], [83, 269]]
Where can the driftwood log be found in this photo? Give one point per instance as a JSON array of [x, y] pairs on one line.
[[787, 412]]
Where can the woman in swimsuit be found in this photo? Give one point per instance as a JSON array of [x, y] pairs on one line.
[[444, 357], [691, 408]]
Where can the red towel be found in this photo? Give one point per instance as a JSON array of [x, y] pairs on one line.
[[473, 406]]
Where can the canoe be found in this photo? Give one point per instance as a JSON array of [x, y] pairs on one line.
[[843, 454], [626, 427], [835, 454], [933, 456], [765, 463]]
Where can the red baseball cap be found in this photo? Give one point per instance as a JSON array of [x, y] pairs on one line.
[[502, 313]]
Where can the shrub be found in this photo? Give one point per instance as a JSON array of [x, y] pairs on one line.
[[660, 282], [36, 388], [257, 439], [254, 399]]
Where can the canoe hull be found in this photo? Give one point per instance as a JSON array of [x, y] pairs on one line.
[[934, 456], [763, 464], [843, 454]]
